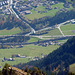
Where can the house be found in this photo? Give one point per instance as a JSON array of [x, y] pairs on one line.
[[73, 21], [23, 8], [36, 58], [10, 59], [48, 8], [7, 12], [52, 2], [28, 12], [20, 46], [56, 2], [34, 5], [3, 8], [11, 46], [22, 56], [18, 55]]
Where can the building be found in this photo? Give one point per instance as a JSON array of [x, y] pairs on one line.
[[27, 12]]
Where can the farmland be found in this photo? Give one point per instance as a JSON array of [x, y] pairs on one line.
[[27, 50], [33, 39], [68, 29], [10, 32], [53, 32]]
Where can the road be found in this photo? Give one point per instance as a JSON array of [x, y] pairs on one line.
[[25, 43], [11, 7], [33, 30], [54, 26], [60, 30]]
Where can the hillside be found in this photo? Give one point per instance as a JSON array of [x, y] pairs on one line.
[[65, 54]]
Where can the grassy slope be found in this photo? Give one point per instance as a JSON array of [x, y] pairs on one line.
[[67, 29], [10, 32], [29, 50], [53, 32]]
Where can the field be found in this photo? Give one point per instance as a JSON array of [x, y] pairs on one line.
[[72, 68], [68, 29], [10, 32], [53, 32], [27, 50], [36, 15], [33, 39]]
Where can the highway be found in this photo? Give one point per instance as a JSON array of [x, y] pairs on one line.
[[47, 40]]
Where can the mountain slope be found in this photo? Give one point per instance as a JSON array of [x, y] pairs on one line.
[[65, 53]]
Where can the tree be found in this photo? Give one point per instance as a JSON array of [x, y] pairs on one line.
[[1, 73], [5, 70]]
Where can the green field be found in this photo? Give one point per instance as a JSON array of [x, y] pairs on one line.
[[68, 29], [53, 32], [62, 41], [10, 32], [27, 50], [36, 15], [33, 39], [72, 68]]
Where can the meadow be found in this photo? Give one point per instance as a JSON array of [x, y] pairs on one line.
[[34, 39], [27, 50], [68, 29], [53, 32], [10, 32]]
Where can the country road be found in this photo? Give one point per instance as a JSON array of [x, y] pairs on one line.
[[60, 30], [11, 7], [33, 30]]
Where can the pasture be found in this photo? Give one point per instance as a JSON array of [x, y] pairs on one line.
[[68, 29], [53, 32], [33, 39], [27, 50], [10, 32]]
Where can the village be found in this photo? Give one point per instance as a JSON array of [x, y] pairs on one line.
[[18, 56], [25, 7]]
